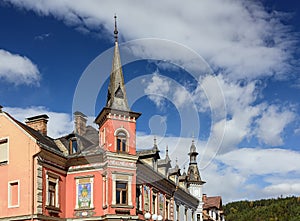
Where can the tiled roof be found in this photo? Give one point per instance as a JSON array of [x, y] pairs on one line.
[[212, 202]]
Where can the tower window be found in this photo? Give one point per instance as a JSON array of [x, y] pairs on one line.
[[121, 141], [121, 193]]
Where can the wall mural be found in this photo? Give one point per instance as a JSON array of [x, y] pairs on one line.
[[161, 203], [147, 198], [84, 193]]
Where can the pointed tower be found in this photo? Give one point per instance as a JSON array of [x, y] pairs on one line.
[[116, 94], [117, 123], [117, 137], [194, 181]]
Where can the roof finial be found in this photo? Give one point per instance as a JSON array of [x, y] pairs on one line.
[[154, 140], [116, 29], [193, 138], [167, 150]]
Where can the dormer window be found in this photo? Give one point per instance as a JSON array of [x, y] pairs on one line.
[[121, 141], [73, 146]]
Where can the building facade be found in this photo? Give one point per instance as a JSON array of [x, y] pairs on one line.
[[93, 174]]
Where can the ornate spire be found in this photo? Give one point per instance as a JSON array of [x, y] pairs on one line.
[[116, 29], [167, 154], [155, 147], [193, 171], [116, 94]]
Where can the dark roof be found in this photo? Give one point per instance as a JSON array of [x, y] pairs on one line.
[[46, 141], [88, 142]]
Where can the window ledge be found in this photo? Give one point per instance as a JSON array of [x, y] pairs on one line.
[[84, 209], [3, 163], [53, 209], [122, 206]]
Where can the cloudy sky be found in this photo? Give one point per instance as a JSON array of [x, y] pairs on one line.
[[223, 72]]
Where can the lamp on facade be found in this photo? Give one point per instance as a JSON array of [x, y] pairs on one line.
[[159, 217], [154, 217], [147, 216]]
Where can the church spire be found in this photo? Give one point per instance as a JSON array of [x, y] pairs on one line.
[[193, 171], [116, 94]]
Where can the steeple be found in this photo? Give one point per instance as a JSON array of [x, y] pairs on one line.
[[167, 154], [193, 171], [193, 153], [116, 94]]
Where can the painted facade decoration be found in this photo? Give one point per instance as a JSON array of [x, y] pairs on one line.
[[93, 174]]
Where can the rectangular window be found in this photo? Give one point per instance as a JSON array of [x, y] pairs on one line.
[[13, 194], [73, 145], [121, 193], [185, 214], [154, 203], [52, 187], [3, 151], [167, 209], [52, 193], [177, 212]]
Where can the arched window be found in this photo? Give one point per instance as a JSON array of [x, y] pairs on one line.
[[121, 141]]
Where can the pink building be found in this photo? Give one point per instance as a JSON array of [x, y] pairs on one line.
[[92, 174]]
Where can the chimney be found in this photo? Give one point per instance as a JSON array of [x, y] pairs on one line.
[[1, 108], [204, 197], [80, 123], [38, 123]]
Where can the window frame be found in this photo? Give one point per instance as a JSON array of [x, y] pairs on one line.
[[9, 188], [122, 177], [121, 140], [5, 140], [54, 179], [71, 142], [121, 192]]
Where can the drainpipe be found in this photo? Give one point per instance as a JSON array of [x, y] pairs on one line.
[[32, 195]]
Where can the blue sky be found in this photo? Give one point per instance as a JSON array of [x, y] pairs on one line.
[[225, 72]]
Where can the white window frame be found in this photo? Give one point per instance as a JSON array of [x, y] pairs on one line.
[[7, 157], [122, 177], [56, 178], [9, 193]]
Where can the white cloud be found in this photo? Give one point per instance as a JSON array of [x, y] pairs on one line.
[[18, 69], [254, 161], [156, 89], [283, 189], [240, 37], [272, 124], [59, 124], [235, 113]]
